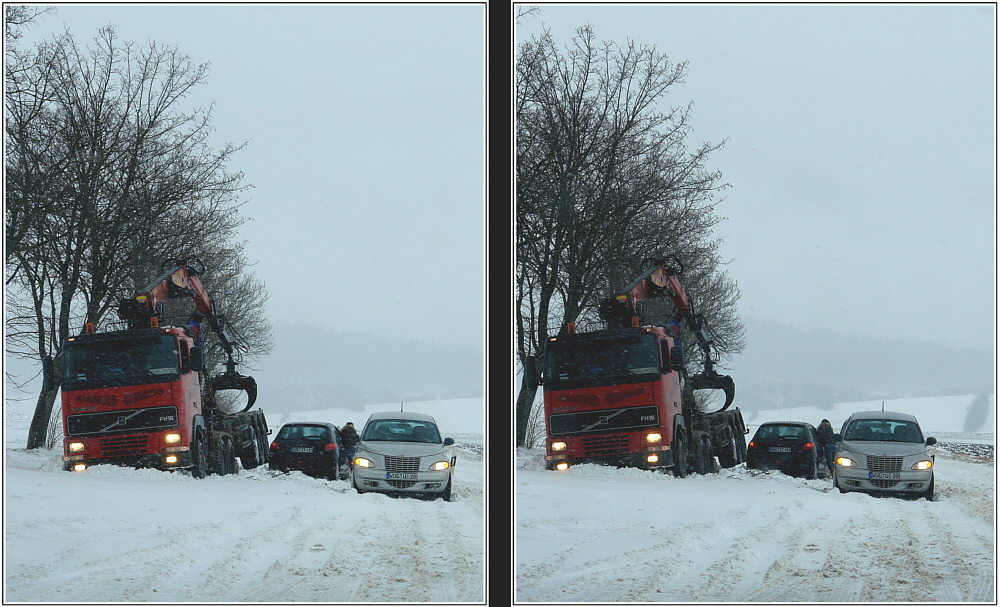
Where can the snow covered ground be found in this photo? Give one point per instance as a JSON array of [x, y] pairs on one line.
[[121, 535], [604, 534]]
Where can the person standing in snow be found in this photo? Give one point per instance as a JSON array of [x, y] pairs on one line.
[[824, 434], [349, 441]]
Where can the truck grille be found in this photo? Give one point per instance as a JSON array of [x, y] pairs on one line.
[[402, 464], [124, 445], [121, 421], [594, 446], [885, 464]]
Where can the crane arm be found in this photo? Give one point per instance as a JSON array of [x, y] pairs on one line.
[[624, 309]]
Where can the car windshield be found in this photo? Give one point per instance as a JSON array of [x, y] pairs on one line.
[[402, 430], [582, 361], [894, 430], [776, 431], [120, 362], [318, 433]]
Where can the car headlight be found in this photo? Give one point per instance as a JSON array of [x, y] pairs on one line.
[[440, 466], [75, 447], [924, 464], [171, 438], [363, 462], [845, 462], [654, 437], [559, 446]]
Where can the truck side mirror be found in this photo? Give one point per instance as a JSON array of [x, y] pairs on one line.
[[676, 358], [197, 364]]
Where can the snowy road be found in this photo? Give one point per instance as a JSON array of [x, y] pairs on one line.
[[120, 535], [609, 535]]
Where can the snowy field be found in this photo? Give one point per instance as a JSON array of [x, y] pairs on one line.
[[120, 535], [604, 534]]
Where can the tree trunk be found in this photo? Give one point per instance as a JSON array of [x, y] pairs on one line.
[[43, 406], [525, 398]]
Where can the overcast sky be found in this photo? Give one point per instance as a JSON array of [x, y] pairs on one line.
[[861, 153], [365, 128]]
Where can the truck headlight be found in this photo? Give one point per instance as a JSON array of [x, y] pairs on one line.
[[363, 462], [924, 464], [172, 438], [654, 437], [559, 446], [845, 462], [562, 466], [170, 459], [440, 466], [79, 467], [76, 447]]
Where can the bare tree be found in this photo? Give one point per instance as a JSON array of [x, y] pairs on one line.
[[108, 174], [604, 181]]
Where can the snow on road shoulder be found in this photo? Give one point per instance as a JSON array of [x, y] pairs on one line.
[[115, 534], [605, 534]]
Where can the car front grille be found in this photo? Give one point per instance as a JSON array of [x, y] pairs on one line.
[[128, 445], [596, 446], [402, 484], [883, 484], [885, 464], [402, 464]]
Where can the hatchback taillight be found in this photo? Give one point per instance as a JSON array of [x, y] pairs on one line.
[[330, 447], [752, 444], [275, 446], [807, 446]]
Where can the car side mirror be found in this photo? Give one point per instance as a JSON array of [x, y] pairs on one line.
[[449, 441], [930, 441], [197, 364]]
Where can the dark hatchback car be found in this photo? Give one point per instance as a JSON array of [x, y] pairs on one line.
[[790, 447], [310, 447]]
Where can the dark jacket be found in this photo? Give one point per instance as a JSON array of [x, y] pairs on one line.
[[824, 434], [349, 436]]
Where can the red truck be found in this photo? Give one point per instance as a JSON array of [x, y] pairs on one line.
[[622, 395], [141, 396]]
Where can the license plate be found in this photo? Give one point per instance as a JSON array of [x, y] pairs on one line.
[[400, 476], [885, 476], [780, 449], [301, 450]]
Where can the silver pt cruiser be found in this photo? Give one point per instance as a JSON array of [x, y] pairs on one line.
[[884, 452], [403, 453]]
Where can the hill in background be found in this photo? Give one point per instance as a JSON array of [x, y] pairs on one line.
[[784, 366], [316, 368]]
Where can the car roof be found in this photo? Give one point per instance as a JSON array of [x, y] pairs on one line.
[[895, 415], [402, 415], [308, 424], [787, 424]]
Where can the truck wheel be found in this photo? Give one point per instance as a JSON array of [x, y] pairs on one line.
[[250, 457], [729, 455], [741, 447], [680, 456], [200, 467], [228, 457]]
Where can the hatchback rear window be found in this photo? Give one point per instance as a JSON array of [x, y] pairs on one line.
[[308, 432], [779, 431]]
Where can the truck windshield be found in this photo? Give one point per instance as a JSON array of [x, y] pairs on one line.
[[599, 361], [120, 362], [894, 430]]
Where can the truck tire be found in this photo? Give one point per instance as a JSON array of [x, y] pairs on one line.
[[680, 456], [199, 459], [741, 447], [228, 457], [729, 454], [250, 456], [704, 460]]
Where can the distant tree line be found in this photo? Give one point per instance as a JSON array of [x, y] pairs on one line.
[[605, 180], [108, 175]]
